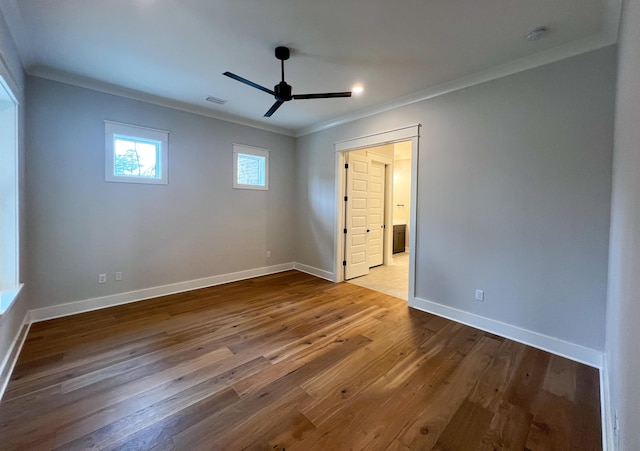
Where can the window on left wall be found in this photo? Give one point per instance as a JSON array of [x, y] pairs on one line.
[[136, 154], [9, 210]]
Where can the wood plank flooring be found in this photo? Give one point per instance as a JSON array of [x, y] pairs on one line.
[[289, 361]]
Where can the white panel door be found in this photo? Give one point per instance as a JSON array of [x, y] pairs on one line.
[[376, 213], [356, 245]]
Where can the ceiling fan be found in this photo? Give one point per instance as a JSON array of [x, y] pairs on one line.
[[282, 91]]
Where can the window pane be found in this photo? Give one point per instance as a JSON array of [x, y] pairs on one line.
[[135, 158], [251, 169]]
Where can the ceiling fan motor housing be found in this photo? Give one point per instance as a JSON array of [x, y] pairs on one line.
[[282, 53], [283, 91]]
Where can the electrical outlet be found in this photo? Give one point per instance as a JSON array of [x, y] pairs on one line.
[[480, 295], [118, 276], [102, 278], [268, 254]]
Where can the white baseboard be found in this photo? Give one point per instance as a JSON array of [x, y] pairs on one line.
[[87, 305], [321, 273], [11, 358], [562, 348], [607, 414]]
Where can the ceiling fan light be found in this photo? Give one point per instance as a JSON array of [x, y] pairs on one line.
[[357, 90]]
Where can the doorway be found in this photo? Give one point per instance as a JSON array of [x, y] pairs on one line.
[[368, 210], [375, 187]]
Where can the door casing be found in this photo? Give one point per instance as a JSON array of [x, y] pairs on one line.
[[410, 133]]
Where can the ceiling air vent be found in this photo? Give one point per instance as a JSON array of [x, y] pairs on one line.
[[537, 34], [216, 100]]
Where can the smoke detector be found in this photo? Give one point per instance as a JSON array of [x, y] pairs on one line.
[[537, 34]]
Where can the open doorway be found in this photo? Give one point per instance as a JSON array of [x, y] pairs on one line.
[[376, 222]]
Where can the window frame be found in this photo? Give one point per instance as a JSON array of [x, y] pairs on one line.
[[10, 285], [139, 134], [254, 151]]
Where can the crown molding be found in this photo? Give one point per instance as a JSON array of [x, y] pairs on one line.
[[552, 55], [604, 39], [608, 36], [17, 28], [108, 88]]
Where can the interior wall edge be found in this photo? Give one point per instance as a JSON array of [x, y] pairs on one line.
[[562, 348]]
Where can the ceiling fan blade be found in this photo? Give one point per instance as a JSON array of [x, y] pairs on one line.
[[325, 95], [250, 83], [273, 108]]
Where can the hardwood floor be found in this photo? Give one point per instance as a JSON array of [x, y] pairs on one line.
[[289, 361]]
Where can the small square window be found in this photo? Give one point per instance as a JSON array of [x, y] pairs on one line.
[[250, 167], [135, 154]]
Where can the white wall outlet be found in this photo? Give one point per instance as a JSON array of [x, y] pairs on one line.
[[480, 295], [102, 278], [268, 254], [118, 276]]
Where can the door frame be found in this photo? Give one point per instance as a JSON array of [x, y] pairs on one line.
[[408, 133]]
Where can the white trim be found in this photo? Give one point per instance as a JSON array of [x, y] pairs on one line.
[[321, 273], [504, 70], [10, 202], [8, 298], [141, 131], [413, 215], [607, 415], [550, 344], [379, 138], [87, 305], [253, 151], [136, 133], [6, 368], [406, 133], [513, 67], [16, 81], [553, 345]]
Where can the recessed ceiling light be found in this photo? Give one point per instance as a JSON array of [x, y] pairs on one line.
[[357, 90], [216, 100], [537, 33]]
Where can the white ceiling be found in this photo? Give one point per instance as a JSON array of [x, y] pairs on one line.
[[174, 51]]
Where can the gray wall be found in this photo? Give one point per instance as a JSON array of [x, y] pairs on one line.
[[513, 196], [623, 309], [194, 227], [11, 70]]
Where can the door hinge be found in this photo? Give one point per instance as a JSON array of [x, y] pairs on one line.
[[346, 165], [344, 230], [346, 198], [384, 226], [344, 263]]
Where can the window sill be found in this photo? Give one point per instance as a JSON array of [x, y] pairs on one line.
[[8, 298]]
